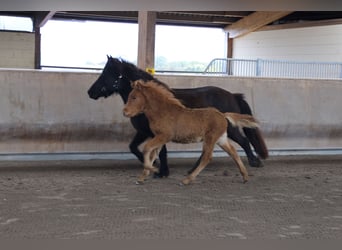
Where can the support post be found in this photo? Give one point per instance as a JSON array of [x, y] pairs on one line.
[[146, 42], [40, 19], [229, 54], [230, 48], [37, 45]]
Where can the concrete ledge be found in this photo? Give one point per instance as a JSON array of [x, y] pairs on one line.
[[172, 154], [50, 112]]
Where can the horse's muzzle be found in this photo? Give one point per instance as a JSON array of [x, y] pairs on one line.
[[126, 113]]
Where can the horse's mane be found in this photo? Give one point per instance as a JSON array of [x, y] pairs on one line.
[[161, 91], [134, 73]]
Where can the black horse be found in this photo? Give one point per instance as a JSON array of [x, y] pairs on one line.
[[116, 78]]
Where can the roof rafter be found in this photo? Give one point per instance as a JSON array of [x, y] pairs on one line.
[[42, 17], [253, 22]]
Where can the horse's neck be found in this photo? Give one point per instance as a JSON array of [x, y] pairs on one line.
[[124, 92], [124, 97], [158, 106], [133, 73]]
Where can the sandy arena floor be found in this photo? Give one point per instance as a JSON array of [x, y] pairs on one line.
[[292, 197]]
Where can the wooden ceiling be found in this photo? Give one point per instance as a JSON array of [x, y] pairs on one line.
[[197, 18], [234, 22], [200, 18]]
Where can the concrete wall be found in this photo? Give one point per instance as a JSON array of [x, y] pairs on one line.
[[16, 50], [50, 112], [294, 113], [320, 43]]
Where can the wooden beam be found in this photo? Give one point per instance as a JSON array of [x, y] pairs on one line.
[[230, 47], [303, 24], [37, 45], [229, 53], [37, 49], [40, 19], [43, 17], [146, 42], [253, 22]]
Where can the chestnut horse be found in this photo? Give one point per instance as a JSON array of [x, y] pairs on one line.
[[170, 120]]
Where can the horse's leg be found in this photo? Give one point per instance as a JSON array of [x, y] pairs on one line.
[[149, 156], [163, 168], [196, 164], [133, 146], [208, 148], [255, 137], [235, 135], [253, 134], [226, 146], [154, 154]]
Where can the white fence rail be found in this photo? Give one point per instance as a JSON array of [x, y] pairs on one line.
[[274, 68]]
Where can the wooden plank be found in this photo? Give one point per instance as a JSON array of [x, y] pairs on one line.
[[254, 22], [43, 17], [37, 49], [37, 43], [230, 47], [40, 19], [304, 24], [146, 42]]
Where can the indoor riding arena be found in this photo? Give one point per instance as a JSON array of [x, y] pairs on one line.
[[66, 166]]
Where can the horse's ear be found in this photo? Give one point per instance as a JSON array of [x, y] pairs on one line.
[[135, 84], [138, 84], [109, 57]]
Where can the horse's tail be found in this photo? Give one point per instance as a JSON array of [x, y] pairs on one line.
[[241, 120], [254, 135]]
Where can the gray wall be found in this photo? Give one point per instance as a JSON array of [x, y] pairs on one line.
[[17, 50], [319, 43], [50, 112]]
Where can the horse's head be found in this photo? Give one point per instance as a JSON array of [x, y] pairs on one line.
[[109, 81], [136, 100]]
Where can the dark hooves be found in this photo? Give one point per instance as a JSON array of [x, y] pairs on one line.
[[160, 175], [255, 163]]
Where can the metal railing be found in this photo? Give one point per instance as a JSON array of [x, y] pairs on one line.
[[274, 68]]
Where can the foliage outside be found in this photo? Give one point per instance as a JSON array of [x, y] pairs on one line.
[[162, 64]]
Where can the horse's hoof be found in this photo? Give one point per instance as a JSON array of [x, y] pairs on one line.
[[139, 182], [159, 176], [255, 163], [186, 181], [154, 170]]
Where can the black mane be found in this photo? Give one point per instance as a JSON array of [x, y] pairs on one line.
[[133, 73]]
